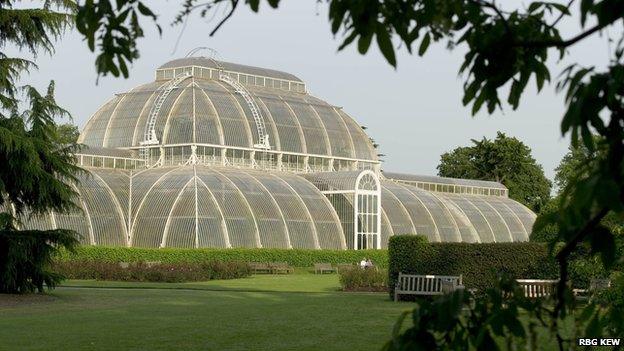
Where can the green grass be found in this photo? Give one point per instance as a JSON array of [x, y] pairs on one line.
[[264, 312], [259, 313], [266, 282]]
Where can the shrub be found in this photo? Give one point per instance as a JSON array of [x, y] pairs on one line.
[[294, 257], [479, 264], [358, 279], [142, 272]]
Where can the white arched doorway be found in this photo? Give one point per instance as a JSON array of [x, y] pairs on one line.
[[367, 211]]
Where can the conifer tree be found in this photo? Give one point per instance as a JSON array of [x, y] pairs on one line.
[[37, 167]]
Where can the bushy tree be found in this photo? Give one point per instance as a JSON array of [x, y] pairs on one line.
[[67, 133], [575, 164], [37, 166], [506, 160], [505, 50]]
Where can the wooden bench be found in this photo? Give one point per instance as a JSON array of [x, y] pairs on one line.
[[537, 288], [428, 285], [259, 267], [320, 268], [281, 267]]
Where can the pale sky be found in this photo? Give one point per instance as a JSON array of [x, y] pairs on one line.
[[413, 112]]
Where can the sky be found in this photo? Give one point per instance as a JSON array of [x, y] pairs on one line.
[[414, 111]]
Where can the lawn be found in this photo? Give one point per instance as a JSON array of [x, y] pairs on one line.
[[294, 312], [301, 282]]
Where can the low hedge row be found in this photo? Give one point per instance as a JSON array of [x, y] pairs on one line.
[[479, 264], [295, 257], [143, 272]]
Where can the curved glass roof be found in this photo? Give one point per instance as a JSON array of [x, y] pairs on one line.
[[453, 217], [201, 207], [207, 111]]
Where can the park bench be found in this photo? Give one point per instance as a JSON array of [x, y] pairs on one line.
[[427, 285], [536, 288], [320, 268], [280, 267], [259, 267]]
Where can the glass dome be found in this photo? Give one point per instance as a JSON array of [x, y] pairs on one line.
[[217, 154]]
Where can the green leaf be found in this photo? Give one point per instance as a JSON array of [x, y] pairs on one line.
[[145, 11], [364, 43], [337, 11], [424, 44], [478, 102], [385, 45], [348, 40], [534, 6], [122, 66], [254, 4], [514, 94], [274, 3]]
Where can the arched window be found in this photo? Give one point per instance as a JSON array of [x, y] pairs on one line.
[[367, 209]]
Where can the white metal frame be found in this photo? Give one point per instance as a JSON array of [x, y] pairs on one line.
[[149, 136], [457, 188], [366, 214], [353, 162], [134, 162], [198, 71], [263, 136]]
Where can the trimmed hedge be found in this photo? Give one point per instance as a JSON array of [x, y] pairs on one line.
[[295, 257], [142, 272], [479, 264]]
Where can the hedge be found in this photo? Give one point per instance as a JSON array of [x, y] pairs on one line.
[[479, 264], [295, 257], [141, 272]]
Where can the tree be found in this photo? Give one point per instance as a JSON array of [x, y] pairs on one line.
[[506, 48], [67, 133], [505, 160], [38, 167], [577, 161], [574, 165]]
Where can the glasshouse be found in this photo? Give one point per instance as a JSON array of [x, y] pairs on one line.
[[218, 154]]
